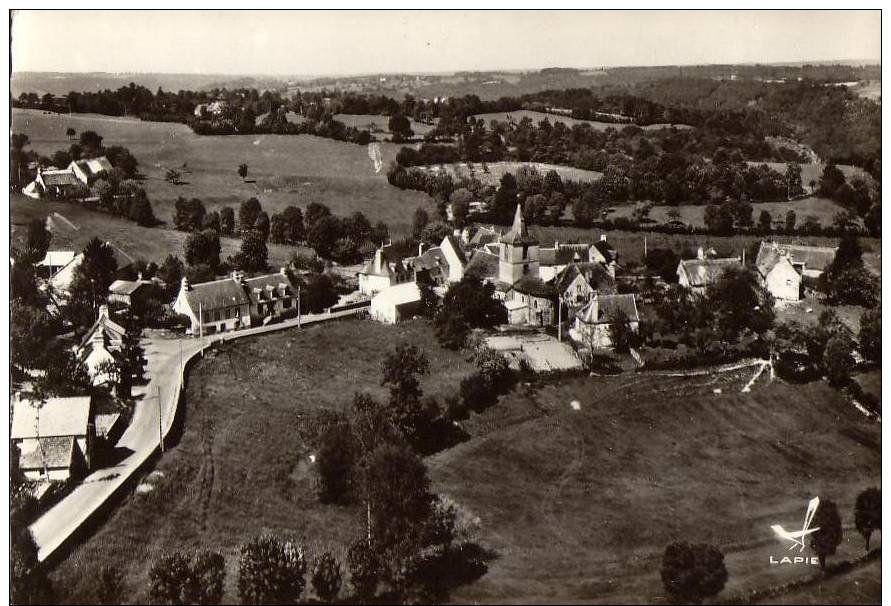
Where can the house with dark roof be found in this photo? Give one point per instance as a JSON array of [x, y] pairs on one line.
[[54, 184], [444, 263], [532, 301], [88, 170], [101, 346], [813, 259], [270, 294], [383, 270], [54, 438], [696, 274], [130, 292], [592, 327]]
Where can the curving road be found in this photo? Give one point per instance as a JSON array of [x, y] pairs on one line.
[[166, 358]]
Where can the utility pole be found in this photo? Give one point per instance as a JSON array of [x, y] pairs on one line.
[[298, 306], [559, 318], [368, 521], [201, 329]]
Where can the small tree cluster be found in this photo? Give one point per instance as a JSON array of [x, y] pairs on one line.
[[467, 304], [177, 578], [271, 571], [693, 572]]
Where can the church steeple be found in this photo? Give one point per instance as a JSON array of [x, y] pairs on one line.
[[518, 254], [518, 233]]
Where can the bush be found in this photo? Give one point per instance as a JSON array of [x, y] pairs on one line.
[[364, 571], [270, 571], [837, 359], [476, 391], [691, 573], [326, 577]]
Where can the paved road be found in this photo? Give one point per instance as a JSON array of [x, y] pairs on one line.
[[164, 359]]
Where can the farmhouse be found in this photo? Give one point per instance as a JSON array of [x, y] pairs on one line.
[[445, 263], [88, 170], [55, 438], [813, 259], [698, 273], [578, 282], [396, 303], [780, 274], [593, 322], [64, 183], [60, 282], [130, 292], [235, 302], [101, 346]]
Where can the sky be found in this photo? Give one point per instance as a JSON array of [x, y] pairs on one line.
[[368, 42]]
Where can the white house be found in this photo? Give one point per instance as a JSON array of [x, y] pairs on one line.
[[60, 282], [592, 322], [216, 306], [87, 170], [396, 303], [385, 269], [101, 345], [813, 259], [780, 274], [54, 260], [54, 438]]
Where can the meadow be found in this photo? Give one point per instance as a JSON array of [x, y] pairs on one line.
[[379, 125], [282, 169], [577, 504], [497, 169], [537, 117]]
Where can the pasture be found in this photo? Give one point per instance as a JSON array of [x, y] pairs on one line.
[[379, 125], [579, 504], [241, 466], [494, 171], [282, 169], [537, 117]]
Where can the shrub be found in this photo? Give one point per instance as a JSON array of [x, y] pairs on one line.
[[326, 577], [691, 573], [270, 571], [364, 570]]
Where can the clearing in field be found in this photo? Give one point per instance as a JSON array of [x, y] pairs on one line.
[[537, 117], [282, 169], [497, 169]]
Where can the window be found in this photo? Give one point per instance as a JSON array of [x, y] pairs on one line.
[[286, 303], [216, 316]]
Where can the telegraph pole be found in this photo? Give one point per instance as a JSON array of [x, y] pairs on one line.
[[160, 424], [560, 318], [298, 306]]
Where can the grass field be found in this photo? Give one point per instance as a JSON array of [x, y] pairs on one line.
[[283, 169], [823, 209], [73, 226], [240, 467], [379, 125], [497, 169], [537, 117], [580, 504]]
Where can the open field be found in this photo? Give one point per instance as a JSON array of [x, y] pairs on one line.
[[283, 169], [537, 117], [823, 209], [579, 505], [73, 226], [241, 467], [379, 125], [860, 586], [497, 169]]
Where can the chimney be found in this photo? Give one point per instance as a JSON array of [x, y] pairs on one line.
[[378, 260], [603, 237], [103, 312], [184, 285], [139, 276], [420, 248], [700, 253]]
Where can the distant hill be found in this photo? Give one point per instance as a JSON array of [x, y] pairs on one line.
[[60, 83]]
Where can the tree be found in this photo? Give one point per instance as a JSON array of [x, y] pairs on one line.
[[364, 570], [212, 221], [109, 588], [621, 334], [691, 573], [168, 577], [323, 234], [227, 221], [317, 293], [837, 359], [429, 298], [663, 262], [419, 222], [825, 540], [172, 176], [765, 221], [177, 579], [207, 579], [37, 242], [203, 248], [719, 218], [467, 304], [846, 280], [871, 335], [270, 571], [94, 275], [188, 215], [247, 215], [91, 142], [253, 254], [243, 171], [28, 582], [326, 577], [287, 226], [335, 461], [401, 369], [739, 301], [793, 180], [171, 273], [314, 212], [141, 211], [868, 513], [400, 126], [790, 221], [261, 225], [831, 180]]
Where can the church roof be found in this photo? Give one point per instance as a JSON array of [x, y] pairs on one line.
[[518, 233]]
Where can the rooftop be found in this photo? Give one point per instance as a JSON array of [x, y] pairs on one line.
[[603, 309], [55, 417], [702, 271]]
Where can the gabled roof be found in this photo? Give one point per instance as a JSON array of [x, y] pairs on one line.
[[606, 249], [57, 258], [269, 286], [602, 309], [813, 258], [94, 166], [126, 287], [595, 274], [456, 246], [484, 235], [482, 265], [700, 272], [55, 417], [561, 256], [59, 178], [217, 294], [535, 287], [432, 260], [390, 264], [111, 330], [518, 233], [52, 453]]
